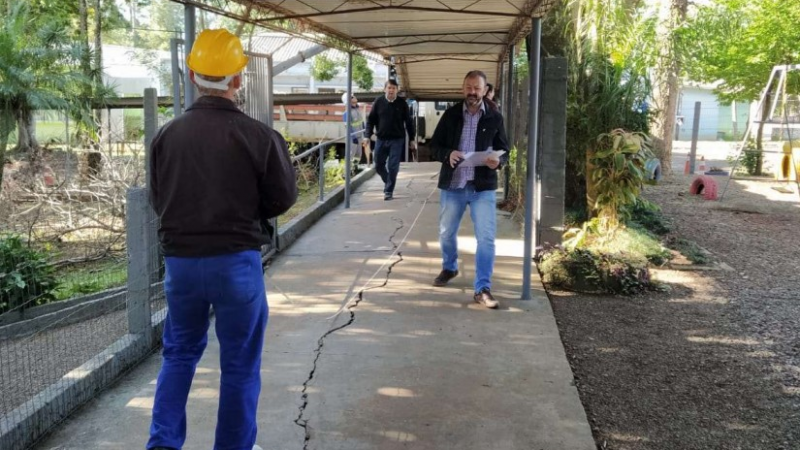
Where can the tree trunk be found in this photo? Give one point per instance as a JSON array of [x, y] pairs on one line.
[[98, 64], [6, 126], [83, 31], [26, 135], [591, 186], [666, 88], [98, 41]]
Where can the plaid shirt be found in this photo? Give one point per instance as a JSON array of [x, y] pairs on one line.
[[462, 175]]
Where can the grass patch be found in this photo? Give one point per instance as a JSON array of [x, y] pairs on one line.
[[636, 240], [45, 132], [690, 250], [88, 278]]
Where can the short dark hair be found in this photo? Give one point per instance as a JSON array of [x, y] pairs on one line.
[[390, 81], [476, 73], [489, 87]]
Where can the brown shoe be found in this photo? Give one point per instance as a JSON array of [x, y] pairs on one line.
[[484, 297], [444, 277]]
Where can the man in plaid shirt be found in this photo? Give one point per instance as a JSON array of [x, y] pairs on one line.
[[467, 127]]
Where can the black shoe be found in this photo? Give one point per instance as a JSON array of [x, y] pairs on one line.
[[387, 197], [444, 277], [485, 298]]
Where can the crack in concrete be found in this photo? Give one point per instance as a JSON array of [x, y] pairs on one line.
[[300, 420]]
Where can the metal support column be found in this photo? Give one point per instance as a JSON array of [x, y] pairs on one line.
[[270, 91], [176, 77], [348, 143], [188, 40], [534, 61], [150, 129]]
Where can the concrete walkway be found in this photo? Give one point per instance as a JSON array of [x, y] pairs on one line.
[[362, 353]]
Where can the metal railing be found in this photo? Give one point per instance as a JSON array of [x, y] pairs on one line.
[[321, 148]]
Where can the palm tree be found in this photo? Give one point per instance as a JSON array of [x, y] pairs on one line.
[[37, 62]]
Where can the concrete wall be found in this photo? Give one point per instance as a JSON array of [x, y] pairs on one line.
[[553, 151]]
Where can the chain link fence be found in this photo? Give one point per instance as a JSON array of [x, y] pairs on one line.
[[72, 312], [81, 276]]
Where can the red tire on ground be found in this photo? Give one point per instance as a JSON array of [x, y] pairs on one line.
[[704, 185]]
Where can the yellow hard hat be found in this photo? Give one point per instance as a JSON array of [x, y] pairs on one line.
[[217, 53]]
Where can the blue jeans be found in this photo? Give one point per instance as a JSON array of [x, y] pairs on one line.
[[387, 156], [482, 209], [234, 285]]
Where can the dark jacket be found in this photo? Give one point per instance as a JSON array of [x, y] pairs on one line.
[[217, 175], [447, 137], [388, 119]]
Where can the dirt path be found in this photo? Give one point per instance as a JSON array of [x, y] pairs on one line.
[[715, 362]]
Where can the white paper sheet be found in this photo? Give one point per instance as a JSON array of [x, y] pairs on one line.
[[475, 159]]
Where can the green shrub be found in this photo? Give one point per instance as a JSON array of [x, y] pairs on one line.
[[592, 272], [334, 169], [26, 278], [649, 216], [636, 240], [617, 173], [574, 217], [748, 159]]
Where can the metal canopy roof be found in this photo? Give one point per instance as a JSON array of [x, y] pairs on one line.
[[433, 43]]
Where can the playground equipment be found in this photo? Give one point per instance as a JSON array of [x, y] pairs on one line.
[[704, 185], [780, 104], [789, 165]]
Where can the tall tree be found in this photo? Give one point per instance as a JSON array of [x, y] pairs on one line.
[[325, 68], [666, 79], [608, 44], [736, 43], [37, 68]]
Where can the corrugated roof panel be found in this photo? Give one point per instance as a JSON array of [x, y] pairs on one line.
[[452, 36]]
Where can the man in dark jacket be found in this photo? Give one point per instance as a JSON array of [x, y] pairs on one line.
[[390, 119], [465, 128], [216, 176]]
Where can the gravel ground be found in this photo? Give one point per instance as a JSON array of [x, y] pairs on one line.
[[715, 362], [31, 364]]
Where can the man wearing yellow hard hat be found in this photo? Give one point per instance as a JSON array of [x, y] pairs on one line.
[[217, 175]]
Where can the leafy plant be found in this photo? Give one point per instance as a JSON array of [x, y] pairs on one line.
[[593, 272], [617, 174], [648, 215], [90, 278], [334, 169], [26, 278]]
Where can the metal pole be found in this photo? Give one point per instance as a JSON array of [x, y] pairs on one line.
[[189, 26], [349, 127], [176, 77], [321, 172], [534, 60], [270, 91], [270, 88], [150, 129], [695, 134], [405, 132]]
